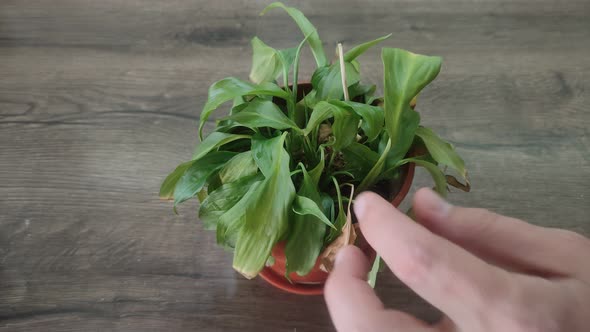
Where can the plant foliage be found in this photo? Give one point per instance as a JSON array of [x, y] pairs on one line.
[[274, 168]]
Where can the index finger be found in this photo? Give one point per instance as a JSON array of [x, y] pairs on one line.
[[447, 276]]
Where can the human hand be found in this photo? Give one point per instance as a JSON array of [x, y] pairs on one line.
[[484, 271]]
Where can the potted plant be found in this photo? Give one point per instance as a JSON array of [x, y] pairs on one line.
[[277, 176]]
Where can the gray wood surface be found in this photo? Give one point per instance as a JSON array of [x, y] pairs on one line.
[[99, 100]]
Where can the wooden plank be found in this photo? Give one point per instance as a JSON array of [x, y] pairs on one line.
[[99, 100]]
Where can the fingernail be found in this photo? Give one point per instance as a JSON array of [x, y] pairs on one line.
[[359, 206], [435, 203]]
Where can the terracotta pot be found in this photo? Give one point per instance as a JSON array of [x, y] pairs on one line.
[[313, 282]]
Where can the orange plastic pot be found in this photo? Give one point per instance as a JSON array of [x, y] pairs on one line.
[[313, 282]]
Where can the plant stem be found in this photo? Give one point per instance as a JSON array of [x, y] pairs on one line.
[[343, 72], [332, 157]]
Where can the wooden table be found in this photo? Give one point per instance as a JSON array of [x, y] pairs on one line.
[[99, 100]]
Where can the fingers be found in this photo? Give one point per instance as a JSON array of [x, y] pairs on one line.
[[353, 304], [502, 240], [347, 293], [450, 278]]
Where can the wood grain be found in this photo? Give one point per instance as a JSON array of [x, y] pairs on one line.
[[100, 99]]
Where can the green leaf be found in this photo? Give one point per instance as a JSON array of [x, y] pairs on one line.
[[340, 218], [362, 48], [442, 151], [359, 159], [231, 222], [316, 173], [195, 177], [223, 199], [321, 112], [344, 128], [264, 153], [327, 81], [266, 216], [373, 117], [438, 176], [375, 172], [307, 230], [266, 64], [167, 188], [242, 165], [345, 123], [296, 66], [372, 277], [214, 141], [405, 75], [306, 28], [230, 88], [263, 113], [359, 89], [327, 204], [305, 206], [409, 122]]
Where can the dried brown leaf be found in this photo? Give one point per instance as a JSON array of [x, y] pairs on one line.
[[324, 132], [347, 237], [451, 180]]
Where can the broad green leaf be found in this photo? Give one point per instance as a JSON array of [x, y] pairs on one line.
[[442, 151], [327, 81], [345, 123], [230, 88], [264, 153], [167, 188], [242, 165], [344, 128], [438, 176], [405, 75], [214, 141], [372, 277], [359, 159], [224, 198], [307, 231], [305, 206], [266, 217], [321, 112], [375, 172], [359, 89], [373, 117], [362, 48], [266, 65], [231, 222], [239, 100], [263, 113], [409, 122], [316, 172], [306, 28], [195, 177]]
